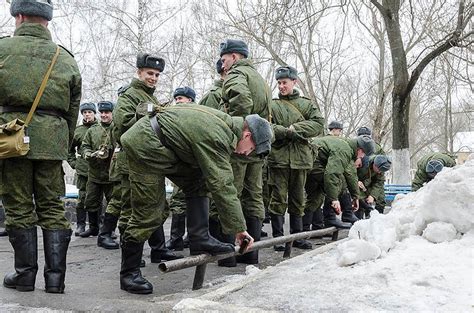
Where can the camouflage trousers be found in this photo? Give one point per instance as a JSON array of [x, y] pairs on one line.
[[95, 193], [31, 193], [314, 188], [147, 186], [177, 202], [287, 191], [115, 203], [125, 203], [248, 182], [81, 183]]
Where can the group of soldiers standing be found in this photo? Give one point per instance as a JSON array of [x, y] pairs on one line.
[[221, 149]]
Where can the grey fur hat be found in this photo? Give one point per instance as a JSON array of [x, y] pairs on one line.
[[364, 131], [434, 166], [185, 91], [366, 143], [262, 133], [146, 60], [87, 106], [41, 8], [383, 162], [105, 106], [286, 72], [335, 125], [234, 46]]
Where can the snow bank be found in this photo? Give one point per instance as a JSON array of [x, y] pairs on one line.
[[442, 210]]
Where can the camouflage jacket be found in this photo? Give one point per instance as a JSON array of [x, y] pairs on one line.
[[75, 159], [124, 115], [200, 137], [213, 97], [245, 92], [98, 137], [294, 153], [420, 176], [373, 182], [24, 60], [334, 158]]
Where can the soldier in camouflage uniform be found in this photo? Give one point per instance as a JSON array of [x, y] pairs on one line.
[[38, 177], [177, 200], [139, 92], [98, 147], [334, 168], [295, 119], [192, 146], [213, 97], [429, 166], [245, 92], [77, 162], [371, 184]]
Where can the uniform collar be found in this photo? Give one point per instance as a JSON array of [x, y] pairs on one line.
[[294, 95], [218, 82], [34, 30], [136, 83], [242, 62]]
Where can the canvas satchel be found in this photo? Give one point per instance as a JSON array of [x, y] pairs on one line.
[[14, 141]]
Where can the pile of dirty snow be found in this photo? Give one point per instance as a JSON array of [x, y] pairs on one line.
[[418, 257]]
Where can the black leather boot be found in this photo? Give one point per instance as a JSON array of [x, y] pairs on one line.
[[178, 226], [216, 232], [200, 241], [104, 239], [277, 229], [307, 220], [93, 229], [131, 279], [3, 233], [330, 218], [81, 215], [25, 246], [254, 226], [158, 249], [56, 243], [348, 215], [296, 226]]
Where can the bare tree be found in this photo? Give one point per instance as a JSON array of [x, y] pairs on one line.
[[404, 83]]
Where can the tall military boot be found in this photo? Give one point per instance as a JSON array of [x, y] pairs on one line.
[[330, 218], [215, 231], [277, 229], [131, 279], [93, 229], [318, 219], [81, 215], [307, 220], [25, 246], [158, 248], [104, 239], [178, 226], [253, 228], [296, 226], [359, 213], [200, 241], [56, 243], [348, 215]]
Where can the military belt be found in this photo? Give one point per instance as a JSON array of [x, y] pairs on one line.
[[10, 108], [157, 129]]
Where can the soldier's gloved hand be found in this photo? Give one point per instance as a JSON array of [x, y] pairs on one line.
[[293, 135], [87, 155], [355, 204], [370, 200], [336, 205], [240, 237], [279, 131]]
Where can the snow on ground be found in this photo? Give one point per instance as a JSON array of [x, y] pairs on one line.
[[418, 257]]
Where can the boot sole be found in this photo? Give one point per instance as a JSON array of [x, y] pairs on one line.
[[20, 288], [109, 248], [138, 292], [54, 290]]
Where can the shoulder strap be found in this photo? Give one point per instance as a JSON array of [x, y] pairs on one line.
[[293, 107], [42, 87]]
